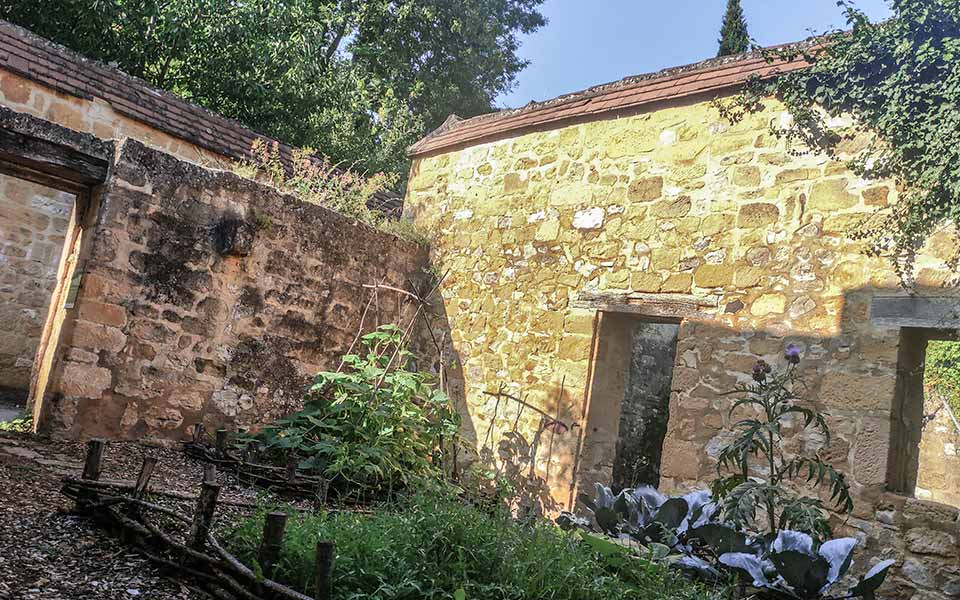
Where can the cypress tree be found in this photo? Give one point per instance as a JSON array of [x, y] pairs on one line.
[[734, 38]]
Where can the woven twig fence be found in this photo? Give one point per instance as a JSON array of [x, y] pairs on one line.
[[185, 544]]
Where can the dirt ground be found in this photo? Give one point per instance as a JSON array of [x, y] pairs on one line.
[[47, 553]]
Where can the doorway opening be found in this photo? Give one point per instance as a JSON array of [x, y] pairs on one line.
[[924, 461], [34, 224], [629, 401]]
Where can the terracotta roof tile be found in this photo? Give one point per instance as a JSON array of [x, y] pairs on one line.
[[628, 94], [59, 68]]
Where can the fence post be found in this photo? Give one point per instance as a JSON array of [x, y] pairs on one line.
[[221, 443], [291, 473], [198, 431], [209, 473], [143, 479], [324, 581], [323, 488], [272, 542], [91, 470], [203, 517], [91, 465]]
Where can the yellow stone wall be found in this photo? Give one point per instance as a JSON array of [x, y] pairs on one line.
[[680, 204]]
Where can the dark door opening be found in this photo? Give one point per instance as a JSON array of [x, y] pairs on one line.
[[924, 461], [644, 409], [628, 402]]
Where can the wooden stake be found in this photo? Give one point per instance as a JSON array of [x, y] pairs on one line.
[[272, 542], [198, 431], [203, 517], [146, 472], [221, 442], [209, 473], [320, 500], [291, 474], [91, 466], [324, 581]]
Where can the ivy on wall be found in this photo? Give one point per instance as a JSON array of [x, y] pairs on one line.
[[899, 80]]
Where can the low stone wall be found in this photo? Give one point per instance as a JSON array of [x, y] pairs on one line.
[[210, 298], [33, 221], [923, 537]]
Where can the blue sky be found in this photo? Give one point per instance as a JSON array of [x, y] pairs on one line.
[[588, 42]]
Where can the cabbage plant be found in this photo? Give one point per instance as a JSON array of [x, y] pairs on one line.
[[643, 514], [795, 567]]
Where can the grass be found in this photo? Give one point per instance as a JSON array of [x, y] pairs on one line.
[[431, 548]]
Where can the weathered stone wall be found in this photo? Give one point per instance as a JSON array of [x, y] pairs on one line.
[[938, 477], [94, 116], [210, 298], [674, 204], [33, 221]]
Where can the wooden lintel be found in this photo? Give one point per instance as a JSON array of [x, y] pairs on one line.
[[657, 306], [928, 312], [49, 163]]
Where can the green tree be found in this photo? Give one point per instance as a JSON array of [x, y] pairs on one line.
[[734, 37], [900, 81], [359, 80]]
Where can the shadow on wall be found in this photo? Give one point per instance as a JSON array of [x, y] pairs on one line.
[[862, 365]]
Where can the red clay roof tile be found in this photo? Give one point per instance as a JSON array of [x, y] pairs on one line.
[[632, 93], [61, 69]]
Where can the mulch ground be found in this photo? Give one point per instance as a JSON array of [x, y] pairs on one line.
[[47, 553]]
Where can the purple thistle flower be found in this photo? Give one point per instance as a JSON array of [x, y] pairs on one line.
[[760, 371], [792, 353]]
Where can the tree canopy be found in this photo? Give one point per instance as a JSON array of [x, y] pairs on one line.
[[899, 82], [734, 37], [359, 80]]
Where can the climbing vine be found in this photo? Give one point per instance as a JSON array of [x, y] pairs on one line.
[[899, 81]]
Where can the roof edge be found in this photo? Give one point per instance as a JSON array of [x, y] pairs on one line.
[[633, 92]]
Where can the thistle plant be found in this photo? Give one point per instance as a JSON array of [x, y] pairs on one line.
[[756, 471]]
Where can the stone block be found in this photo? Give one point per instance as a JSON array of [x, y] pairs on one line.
[[831, 195], [757, 215], [94, 336], [876, 196], [104, 314], [645, 189], [921, 540], [746, 176], [81, 380], [710, 276], [645, 282], [747, 277], [672, 208], [856, 391], [677, 283], [768, 304]]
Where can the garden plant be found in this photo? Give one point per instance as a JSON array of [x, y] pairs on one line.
[[752, 524], [372, 426]]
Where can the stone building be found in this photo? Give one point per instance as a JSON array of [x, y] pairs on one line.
[[143, 289], [603, 243]]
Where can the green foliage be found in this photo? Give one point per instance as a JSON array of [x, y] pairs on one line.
[[313, 178], [373, 425], [434, 547], [734, 37], [942, 371], [21, 424], [360, 79], [759, 469], [900, 81]]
